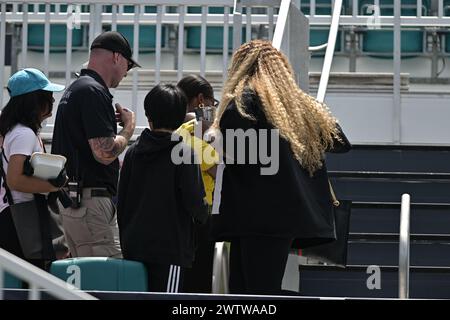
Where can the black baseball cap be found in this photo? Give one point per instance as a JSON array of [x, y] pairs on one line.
[[116, 42]]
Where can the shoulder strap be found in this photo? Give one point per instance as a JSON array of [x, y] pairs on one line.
[[3, 176], [336, 202]]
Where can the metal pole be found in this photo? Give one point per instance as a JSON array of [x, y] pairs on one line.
[[225, 43], [24, 61], [397, 118], [237, 24], [2, 276], [403, 265], [180, 62]]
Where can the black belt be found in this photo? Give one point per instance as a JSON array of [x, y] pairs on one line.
[[100, 193]]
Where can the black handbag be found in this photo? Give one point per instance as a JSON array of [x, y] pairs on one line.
[[32, 223], [335, 252]]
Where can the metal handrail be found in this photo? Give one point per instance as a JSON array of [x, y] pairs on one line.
[[281, 24], [37, 279], [318, 48], [220, 269], [402, 176], [403, 265], [332, 36]]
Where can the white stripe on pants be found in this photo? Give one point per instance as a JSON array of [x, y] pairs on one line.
[[173, 279]]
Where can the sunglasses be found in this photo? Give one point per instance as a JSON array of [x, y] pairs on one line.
[[130, 64], [215, 103]]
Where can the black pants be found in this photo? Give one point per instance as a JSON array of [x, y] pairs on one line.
[[9, 240], [257, 265], [164, 278], [198, 278]]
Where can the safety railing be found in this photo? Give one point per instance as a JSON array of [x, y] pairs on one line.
[[39, 280], [403, 266], [167, 16], [329, 54]]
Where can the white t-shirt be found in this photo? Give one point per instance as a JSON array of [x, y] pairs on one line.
[[20, 140]]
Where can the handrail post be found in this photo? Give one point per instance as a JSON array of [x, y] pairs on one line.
[[2, 281], [403, 265], [332, 35]]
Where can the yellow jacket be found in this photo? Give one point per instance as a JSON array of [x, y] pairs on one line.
[[206, 154]]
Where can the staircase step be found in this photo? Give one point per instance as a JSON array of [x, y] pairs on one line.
[[414, 237], [392, 158], [386, 253], [391, 190], [329, 281], [384, 217]]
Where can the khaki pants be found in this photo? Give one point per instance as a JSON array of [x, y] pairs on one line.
[[91, 230]]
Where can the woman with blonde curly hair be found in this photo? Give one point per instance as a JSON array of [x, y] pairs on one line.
[[264, 215]]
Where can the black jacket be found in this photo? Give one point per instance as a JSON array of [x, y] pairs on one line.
[[288, 204], [159, 201]]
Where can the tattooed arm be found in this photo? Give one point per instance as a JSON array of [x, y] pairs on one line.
[[107, 149]]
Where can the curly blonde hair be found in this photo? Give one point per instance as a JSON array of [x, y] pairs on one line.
[[304, 122]]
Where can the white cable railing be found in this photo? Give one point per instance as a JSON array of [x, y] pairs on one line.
[[403, 264], [39, 280]]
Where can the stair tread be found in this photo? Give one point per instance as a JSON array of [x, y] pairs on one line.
[[364, 268], [395, 205]]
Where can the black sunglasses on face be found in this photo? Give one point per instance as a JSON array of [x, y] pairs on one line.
[[130, 64]]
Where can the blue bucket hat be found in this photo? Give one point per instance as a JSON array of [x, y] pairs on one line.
[[29, 80]]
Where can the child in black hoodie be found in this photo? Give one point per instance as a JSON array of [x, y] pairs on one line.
[[160, 198]]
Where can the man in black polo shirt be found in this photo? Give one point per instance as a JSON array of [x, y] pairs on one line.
[[86, 134]]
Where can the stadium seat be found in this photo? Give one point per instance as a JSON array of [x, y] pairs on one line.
[[58, 37], [104, 274], [381, 42]]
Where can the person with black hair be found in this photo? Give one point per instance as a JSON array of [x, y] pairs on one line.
[[201, 102], [30, 104], [161, 194]]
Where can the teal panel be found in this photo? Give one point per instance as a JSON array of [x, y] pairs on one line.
[[214, 37], [381, 41], [213, 10], [323, 7], [57, 36], [447, 7], [318, 37], [447, 42], [11, 282], [147, 36]]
